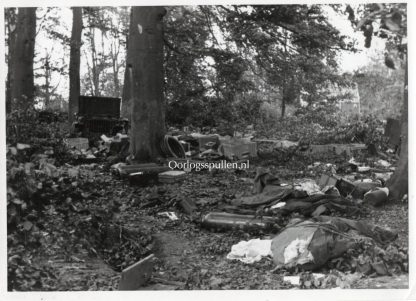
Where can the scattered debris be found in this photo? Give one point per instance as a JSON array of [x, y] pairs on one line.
[[353, 248], [171, 215]]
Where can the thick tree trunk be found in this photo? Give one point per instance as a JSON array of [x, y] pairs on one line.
[[145, 56], [22, 87], [399, 182], [11, 39], [74, 63], [126, 97]]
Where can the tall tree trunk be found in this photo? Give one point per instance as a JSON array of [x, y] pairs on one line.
[[10, 18], [145, 55], [47, 82], [126, 101], [74, 62], [399, 182], [95, 71], [22, 88]]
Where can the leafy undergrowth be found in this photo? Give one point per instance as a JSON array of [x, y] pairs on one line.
[[76, 227], [319, 126]]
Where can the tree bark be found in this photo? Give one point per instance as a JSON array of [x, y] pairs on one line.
[[145, 56], [398, 184], [11, 39], [22, 87], [74, 62]]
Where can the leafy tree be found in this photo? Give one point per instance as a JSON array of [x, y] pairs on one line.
[[293, 46], [380, 89]]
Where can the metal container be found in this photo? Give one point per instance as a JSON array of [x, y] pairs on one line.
[[239, 150], [99, 106], [222, 220], [172, 176]]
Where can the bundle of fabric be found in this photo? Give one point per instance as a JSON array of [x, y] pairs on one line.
[[304, 197], [311, 243]]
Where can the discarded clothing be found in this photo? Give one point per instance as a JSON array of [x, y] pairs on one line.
[[264, 178], [311, 243], [309, 186], [307, 206], [270, 194], [250, 251]]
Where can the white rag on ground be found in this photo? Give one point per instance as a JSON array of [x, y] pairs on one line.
[[308, 185], [251, 251]]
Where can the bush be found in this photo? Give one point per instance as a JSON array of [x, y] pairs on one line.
[[321, 125]]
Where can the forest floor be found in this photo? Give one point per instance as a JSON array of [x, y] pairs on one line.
[[96, 224]]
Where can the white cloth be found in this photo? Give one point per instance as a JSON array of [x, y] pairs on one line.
[[250, 251]]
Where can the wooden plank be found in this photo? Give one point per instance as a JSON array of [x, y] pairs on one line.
[[136, 275]]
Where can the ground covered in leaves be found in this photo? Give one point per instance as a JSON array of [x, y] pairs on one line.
[[94, 225], [75, 226]]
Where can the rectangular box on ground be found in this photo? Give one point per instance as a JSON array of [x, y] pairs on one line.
[[78, 143], [136, 275], [171, 176]]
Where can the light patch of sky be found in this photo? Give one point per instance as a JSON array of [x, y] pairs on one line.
[[350, 61], [59, 53]]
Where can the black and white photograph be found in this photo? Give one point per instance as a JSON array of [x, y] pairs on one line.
[[199, 147]]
